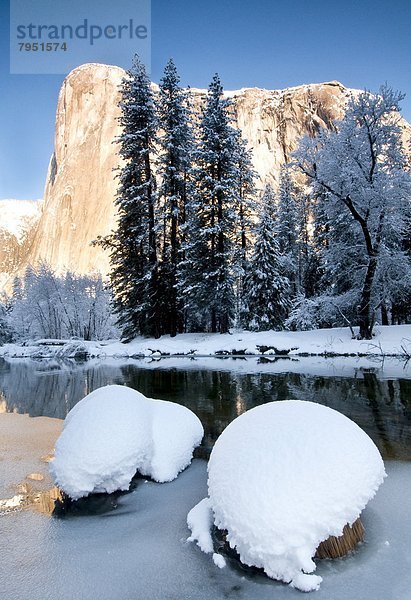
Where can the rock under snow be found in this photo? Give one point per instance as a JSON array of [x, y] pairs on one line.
[[116, 431], [283, 477]]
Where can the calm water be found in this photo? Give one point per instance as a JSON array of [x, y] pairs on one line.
[[379, 404]]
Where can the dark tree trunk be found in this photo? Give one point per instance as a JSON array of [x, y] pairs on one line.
[[223, 310], [224, 323], [223, 316], [156, 323], [153, 316], [173, 266], [384, 315], [365, 319], [152, 250], [213, 321], [364, 315]]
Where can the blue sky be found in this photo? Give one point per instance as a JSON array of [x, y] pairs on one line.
[[263, 43]]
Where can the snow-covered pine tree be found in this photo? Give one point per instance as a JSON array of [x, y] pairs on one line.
[[174, 163], [246, 211], [316, 279], [6, 331], [267, 291], [361, 172], [310, 272], [288, 229], [207, 278], [341, 259], [134, 267]]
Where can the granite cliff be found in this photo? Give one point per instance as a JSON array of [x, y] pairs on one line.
[[80, 187]]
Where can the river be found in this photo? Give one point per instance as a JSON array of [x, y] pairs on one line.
[[133, 546]]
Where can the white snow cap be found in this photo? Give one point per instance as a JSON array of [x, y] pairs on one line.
[[285, 476], [114, 432]]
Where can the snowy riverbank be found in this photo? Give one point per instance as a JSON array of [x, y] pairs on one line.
[[392, 340]]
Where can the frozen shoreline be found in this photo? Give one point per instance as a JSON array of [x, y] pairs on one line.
[[140, 549], [394, 341], [26, 444]]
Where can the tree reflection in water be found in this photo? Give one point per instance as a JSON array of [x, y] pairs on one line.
[[51, 388]]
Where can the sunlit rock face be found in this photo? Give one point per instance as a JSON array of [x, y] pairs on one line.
[[81, 185], [18, 222], [273, 121]]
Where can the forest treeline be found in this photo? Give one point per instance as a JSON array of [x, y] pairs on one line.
[[200, 245]]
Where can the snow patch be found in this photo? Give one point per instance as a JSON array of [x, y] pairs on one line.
[[389, 340], [219, 560], [116, 431], [306, 583], [200, 521], [282, 478]]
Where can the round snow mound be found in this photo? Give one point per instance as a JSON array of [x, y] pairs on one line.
[[285, 476], [114, 432]]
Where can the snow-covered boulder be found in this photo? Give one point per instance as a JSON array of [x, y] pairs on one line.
[[282, 478], [114, 432]]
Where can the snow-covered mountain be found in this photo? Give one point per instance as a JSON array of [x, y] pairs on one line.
[[18, 219], [80, 187], [18, 216]]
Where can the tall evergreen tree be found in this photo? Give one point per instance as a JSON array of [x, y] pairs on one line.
[[267, 291], [311, 238], [174, 164], [6, 331], [288, 229], [207, 278], [314, 237], [134, 274], [246, 210]]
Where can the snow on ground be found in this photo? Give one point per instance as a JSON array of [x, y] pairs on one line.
[[114, 432], [283, 477], [139, 551], [388, 340]]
